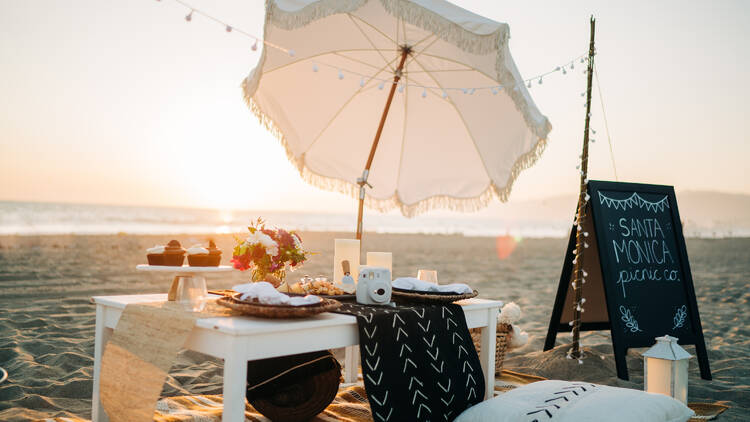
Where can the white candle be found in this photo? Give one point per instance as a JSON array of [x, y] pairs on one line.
[[380, 259], [346, 257]]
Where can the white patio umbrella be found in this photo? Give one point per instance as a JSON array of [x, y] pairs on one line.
[[433, 84]]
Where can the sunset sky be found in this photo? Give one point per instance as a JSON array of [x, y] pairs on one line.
[[124, 102]]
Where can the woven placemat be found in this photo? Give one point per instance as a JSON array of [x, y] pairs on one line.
[[706, 411], [278, 311], [423, 297]]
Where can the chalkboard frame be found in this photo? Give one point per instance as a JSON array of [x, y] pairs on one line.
[[620, 343]]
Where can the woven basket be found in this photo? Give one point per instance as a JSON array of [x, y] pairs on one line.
[[429, 297], [502, 337], [277, 311]]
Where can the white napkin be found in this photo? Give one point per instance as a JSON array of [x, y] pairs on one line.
[[265, 293], [411, 283]]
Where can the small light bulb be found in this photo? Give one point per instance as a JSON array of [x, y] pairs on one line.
[[581, 59], [401, 88], [229, 28], [465, 91], [593, 131], [565, 72], [557, 69], [424, 93], [528, 85], [362, 82], [341, 74], [572, 65], [291, 53], [255, 46], [189, 16], [382, 84], [315, 67], [471, 91], [445, 94], [540, 80]]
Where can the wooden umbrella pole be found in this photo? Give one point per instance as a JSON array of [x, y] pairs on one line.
[[575, 352], [362, 181]]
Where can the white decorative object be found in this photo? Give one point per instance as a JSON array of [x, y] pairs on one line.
[[374, 285], [345, 263], [570, 401], [665, 369], [380, 259], [510, 314]]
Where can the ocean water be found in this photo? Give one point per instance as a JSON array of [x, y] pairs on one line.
[[36, 218]]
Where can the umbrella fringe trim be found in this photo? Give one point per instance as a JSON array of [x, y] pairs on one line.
[[446, 29], [383, 205], [289, 20]]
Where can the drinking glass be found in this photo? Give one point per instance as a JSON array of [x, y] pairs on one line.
[[428, 275], [192, 293]]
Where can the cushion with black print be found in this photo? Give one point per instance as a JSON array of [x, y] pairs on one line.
[[560, 401]]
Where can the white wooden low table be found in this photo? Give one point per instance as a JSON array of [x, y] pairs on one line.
[[240, 339]]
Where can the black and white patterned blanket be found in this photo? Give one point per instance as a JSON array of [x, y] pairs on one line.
[[418, 362]]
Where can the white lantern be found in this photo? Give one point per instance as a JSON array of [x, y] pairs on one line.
[[665, 367]]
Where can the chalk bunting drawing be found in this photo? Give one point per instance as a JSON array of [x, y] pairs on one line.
[[634, 201], [629, 320], [679, 317]]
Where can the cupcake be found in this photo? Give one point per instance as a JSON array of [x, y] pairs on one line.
[[174, 255], [198, 256], [155, 255], [171, 255]]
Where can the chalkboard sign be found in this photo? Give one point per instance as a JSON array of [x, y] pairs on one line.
[[639, 276]]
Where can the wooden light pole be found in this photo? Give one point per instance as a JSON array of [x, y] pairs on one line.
[[362, 181], [575, 352]]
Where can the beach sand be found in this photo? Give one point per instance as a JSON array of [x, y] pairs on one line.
[[47, 320]]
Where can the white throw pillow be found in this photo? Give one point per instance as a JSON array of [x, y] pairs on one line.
[[560, 401]]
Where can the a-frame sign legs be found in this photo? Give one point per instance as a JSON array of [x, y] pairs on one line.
[[556, 323], [562, 292]]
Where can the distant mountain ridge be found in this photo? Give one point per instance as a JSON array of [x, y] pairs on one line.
[[704, 213]]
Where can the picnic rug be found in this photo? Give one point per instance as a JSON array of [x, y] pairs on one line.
[[418, 361], [350, 405]]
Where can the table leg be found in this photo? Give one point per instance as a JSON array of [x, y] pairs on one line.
[[351, 364], [101, 337], [487, 357], [235, 384]]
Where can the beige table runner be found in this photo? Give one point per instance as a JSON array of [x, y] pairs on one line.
[[140, 353]]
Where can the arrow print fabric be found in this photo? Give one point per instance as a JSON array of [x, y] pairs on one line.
[[418, 362]]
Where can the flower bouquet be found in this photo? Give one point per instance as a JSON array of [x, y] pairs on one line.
[[268, 252]]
